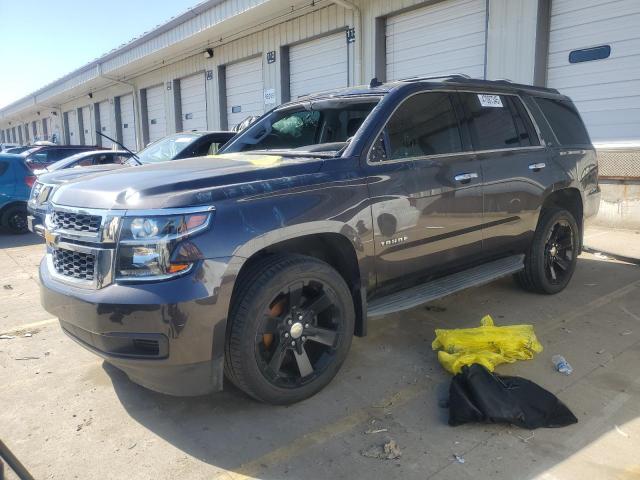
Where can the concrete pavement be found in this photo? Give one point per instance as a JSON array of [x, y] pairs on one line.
[[66, 414]]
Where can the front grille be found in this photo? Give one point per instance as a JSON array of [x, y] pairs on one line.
[[77, 222], [74, 264]]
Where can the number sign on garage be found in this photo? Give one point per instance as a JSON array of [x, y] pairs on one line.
[[193, 102], [594, 57], [317, 65], [440, 39], [245, 90]]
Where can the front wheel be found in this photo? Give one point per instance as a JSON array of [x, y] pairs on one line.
[[291, 326], [553, 254], [15, 219]]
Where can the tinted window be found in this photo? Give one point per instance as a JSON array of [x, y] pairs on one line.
[[565, 121], [3, 167], [490, 121], [526, 130], [589, 54], [425, 124]]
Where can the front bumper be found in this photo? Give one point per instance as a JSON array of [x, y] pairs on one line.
[[35, 220], [167, 336]]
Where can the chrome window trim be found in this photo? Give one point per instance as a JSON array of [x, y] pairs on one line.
[[542, 145]]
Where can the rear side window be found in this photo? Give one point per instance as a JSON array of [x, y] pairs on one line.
[[425, 124], [564, 121], [491, 122], [4, 166]]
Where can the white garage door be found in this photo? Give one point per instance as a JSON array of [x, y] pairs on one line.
[[245, 90], [74, 132], [87, 125], [128, 122], [156, 115], [193, 102], [441, 39], [606, 90], [105, 123], [321, 64]]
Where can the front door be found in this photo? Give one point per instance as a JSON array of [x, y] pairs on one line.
[[426, 192]]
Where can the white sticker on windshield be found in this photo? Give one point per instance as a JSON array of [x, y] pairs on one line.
[[492, 101], [183, 139]]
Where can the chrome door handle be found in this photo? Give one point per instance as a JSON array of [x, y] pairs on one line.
[[465, 177], [537, 166]]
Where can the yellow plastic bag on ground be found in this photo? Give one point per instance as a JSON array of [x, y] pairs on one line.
[[487, 345]]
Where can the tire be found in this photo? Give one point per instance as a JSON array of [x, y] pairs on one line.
[[14, 219], [281, 300], [553, 254]]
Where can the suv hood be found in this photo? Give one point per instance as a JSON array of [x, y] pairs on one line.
[[69, 174], [189, 182]]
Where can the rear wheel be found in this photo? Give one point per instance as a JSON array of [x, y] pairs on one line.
[[553, 254], [15, 219], [290, 329]]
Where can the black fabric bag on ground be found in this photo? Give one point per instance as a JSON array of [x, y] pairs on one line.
[[477, 395]]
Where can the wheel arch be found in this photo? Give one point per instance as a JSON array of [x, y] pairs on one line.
[[570, 199], [334, 248]]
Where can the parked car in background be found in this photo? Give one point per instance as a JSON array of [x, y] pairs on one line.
[[18, 149], [172, 147], [5, 147], [87, 159], [264, 263], [16, 180], [41, 156]]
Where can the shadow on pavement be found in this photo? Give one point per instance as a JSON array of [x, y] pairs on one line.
[[11, 240], [228, 429]]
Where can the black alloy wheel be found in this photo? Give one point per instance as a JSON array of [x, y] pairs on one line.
[[559, 252], [299, 334]]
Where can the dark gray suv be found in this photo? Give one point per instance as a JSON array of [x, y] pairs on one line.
[[262, 263]]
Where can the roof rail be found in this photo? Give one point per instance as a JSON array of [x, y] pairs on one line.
[[453, 76]]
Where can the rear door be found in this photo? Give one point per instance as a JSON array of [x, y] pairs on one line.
[[515, 167], [426, 197], [7, 183]]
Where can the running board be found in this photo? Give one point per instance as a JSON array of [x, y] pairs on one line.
[[441, 287]]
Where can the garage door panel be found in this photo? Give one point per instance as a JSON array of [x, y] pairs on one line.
[[245, 90], [128, 122], [317, 65], [87, 126], [605, 91], [444, 38], [156, 114], [105, 123], [72, 125], [193, 99]]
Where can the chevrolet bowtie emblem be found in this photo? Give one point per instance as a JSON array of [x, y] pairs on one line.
[[50, 238]]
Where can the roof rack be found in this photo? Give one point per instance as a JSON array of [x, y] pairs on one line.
[[453, 76]]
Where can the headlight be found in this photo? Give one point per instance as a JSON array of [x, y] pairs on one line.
[[153, 247]]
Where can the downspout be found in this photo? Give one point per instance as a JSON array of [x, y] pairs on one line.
[[136, 106], [357, 13]]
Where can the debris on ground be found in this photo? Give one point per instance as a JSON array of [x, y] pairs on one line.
[[487, 345], [7, 287], [526, 439], [379, 430], [458, 458], [28, 335], [561, 365], [621, 432], [626, 332], [7, 337], [389, 451], [27, 358], [600, 352], [85, 423]]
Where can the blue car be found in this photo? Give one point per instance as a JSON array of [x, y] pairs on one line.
[[16, 180]]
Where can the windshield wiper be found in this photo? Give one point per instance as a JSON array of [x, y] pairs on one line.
[[134, 156]]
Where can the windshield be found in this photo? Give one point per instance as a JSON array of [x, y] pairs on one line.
[[318, 126], [166, 148]]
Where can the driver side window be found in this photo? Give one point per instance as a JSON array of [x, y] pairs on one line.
[[425, 124]]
